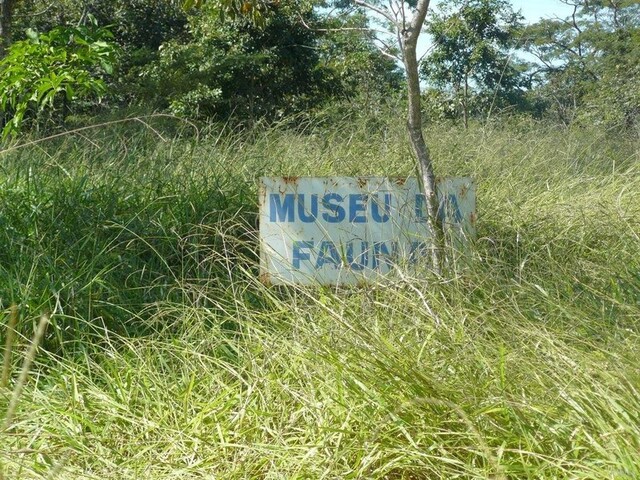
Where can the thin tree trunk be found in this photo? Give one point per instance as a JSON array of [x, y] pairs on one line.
[[465, 105], [414, 124], [6, 15]]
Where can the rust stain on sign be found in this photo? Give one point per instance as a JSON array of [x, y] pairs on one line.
[[290, 180], [400, 181]]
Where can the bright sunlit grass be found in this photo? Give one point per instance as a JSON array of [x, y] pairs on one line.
[[164, 356]]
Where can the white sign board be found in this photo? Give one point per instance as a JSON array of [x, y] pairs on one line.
[[347, 230]]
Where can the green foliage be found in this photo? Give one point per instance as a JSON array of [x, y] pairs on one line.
[[471, 59], [589, 63], [236, 69], [270, 71], [139, 28], [63, 65], [141, 24], [356, 68], [207, 64], [135, 24], [255, 11]]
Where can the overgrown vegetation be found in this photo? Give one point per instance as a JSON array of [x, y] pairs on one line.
[[137, 339], [165, 357], [260, 60]]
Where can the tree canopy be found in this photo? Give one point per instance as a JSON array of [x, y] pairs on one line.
[[253, 59], [589, 62], [472, 56]]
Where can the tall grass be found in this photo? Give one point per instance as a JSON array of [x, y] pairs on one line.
[[166, 358]]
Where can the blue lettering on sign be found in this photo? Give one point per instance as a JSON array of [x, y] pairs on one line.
[[337, 211], [360, 261], [357, 255], [361, 208], [375, 209], [328, 253], [299, 254], [421, 215], [357, 205], [381, 252], [448, 210], [281, 210], [302, 210]]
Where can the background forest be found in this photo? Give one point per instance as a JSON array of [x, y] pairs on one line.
[[65, 60], [138, 342]]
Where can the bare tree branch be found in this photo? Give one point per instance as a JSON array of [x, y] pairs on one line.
[[386, 51], [393, 9], [381, 11], [37, 14], [340, 29], [426, 52]]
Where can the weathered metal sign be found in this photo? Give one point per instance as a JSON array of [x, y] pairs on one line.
[[347, 230]]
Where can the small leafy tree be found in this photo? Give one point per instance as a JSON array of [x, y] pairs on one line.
[[358, 70], [589, 62], [471, 57], [139, 28], [52, 69]]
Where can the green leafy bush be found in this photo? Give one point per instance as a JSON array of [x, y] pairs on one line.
[[64, 65]]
